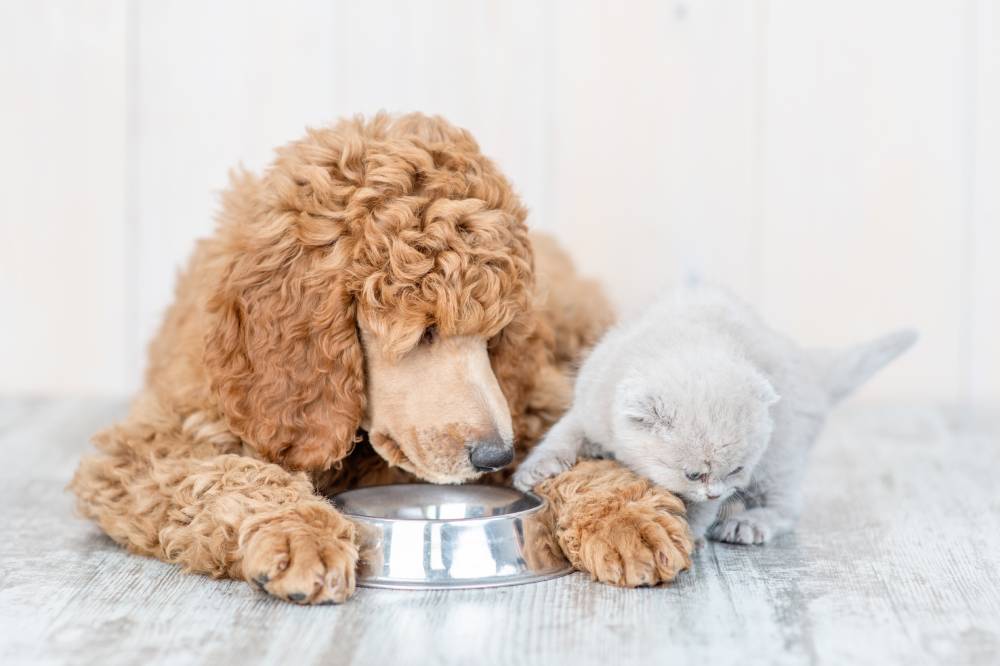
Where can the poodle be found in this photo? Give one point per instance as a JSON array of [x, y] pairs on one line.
[[370, 310]]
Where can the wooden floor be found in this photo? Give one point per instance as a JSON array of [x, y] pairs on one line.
[[896, 561]]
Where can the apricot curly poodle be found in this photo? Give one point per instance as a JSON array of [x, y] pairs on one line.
[[370, 310]]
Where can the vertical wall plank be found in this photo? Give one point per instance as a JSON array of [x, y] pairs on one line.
[[985, 239], [655, 142], [219, 84], [863, 180], [62, 210], [837, 162]]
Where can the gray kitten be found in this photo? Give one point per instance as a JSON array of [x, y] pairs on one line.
[[688, 396]]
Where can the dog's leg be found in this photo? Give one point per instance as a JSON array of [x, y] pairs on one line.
[[222, 515], [617, 526]]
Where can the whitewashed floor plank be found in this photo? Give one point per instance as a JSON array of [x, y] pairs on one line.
[[897, 560]]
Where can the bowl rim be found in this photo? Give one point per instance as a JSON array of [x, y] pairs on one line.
[[542, 504]]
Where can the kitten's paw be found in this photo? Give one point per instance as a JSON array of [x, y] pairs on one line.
[[532, 472], [743, 528]]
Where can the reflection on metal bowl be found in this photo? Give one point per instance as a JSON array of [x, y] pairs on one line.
[[422, 536]]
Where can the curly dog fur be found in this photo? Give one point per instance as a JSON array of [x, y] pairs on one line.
[[379, 268]]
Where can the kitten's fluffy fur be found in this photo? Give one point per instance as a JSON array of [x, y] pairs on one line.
[[688, 396]]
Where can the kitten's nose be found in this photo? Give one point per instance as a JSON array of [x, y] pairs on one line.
[[714, 496], [491, 454]]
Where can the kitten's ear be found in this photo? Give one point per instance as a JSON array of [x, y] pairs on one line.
[[764, 391], [648, 411]]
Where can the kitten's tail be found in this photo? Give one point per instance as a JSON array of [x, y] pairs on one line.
[[843, 371]]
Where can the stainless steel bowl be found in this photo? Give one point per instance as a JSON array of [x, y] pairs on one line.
[[421, 536]]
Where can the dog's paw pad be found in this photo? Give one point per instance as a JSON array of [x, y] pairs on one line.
[[302, 563], [636, 547]]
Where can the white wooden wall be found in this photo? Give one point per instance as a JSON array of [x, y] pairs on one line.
[[837, 162]]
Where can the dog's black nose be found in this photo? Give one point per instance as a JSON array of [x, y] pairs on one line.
[[490, 455]]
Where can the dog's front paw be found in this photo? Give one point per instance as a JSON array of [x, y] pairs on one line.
[[535, 470], [748, 527], [636, 545], [305, 554]]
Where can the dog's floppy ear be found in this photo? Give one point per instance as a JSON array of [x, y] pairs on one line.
[[283, 353]]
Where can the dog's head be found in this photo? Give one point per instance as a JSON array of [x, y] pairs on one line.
[[378, 277]]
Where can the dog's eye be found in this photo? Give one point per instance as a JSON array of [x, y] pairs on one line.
[[692, 476], [430, 333], [736, 471]]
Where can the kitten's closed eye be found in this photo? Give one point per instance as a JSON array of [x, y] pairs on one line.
[[736, 471], [692, 476]]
